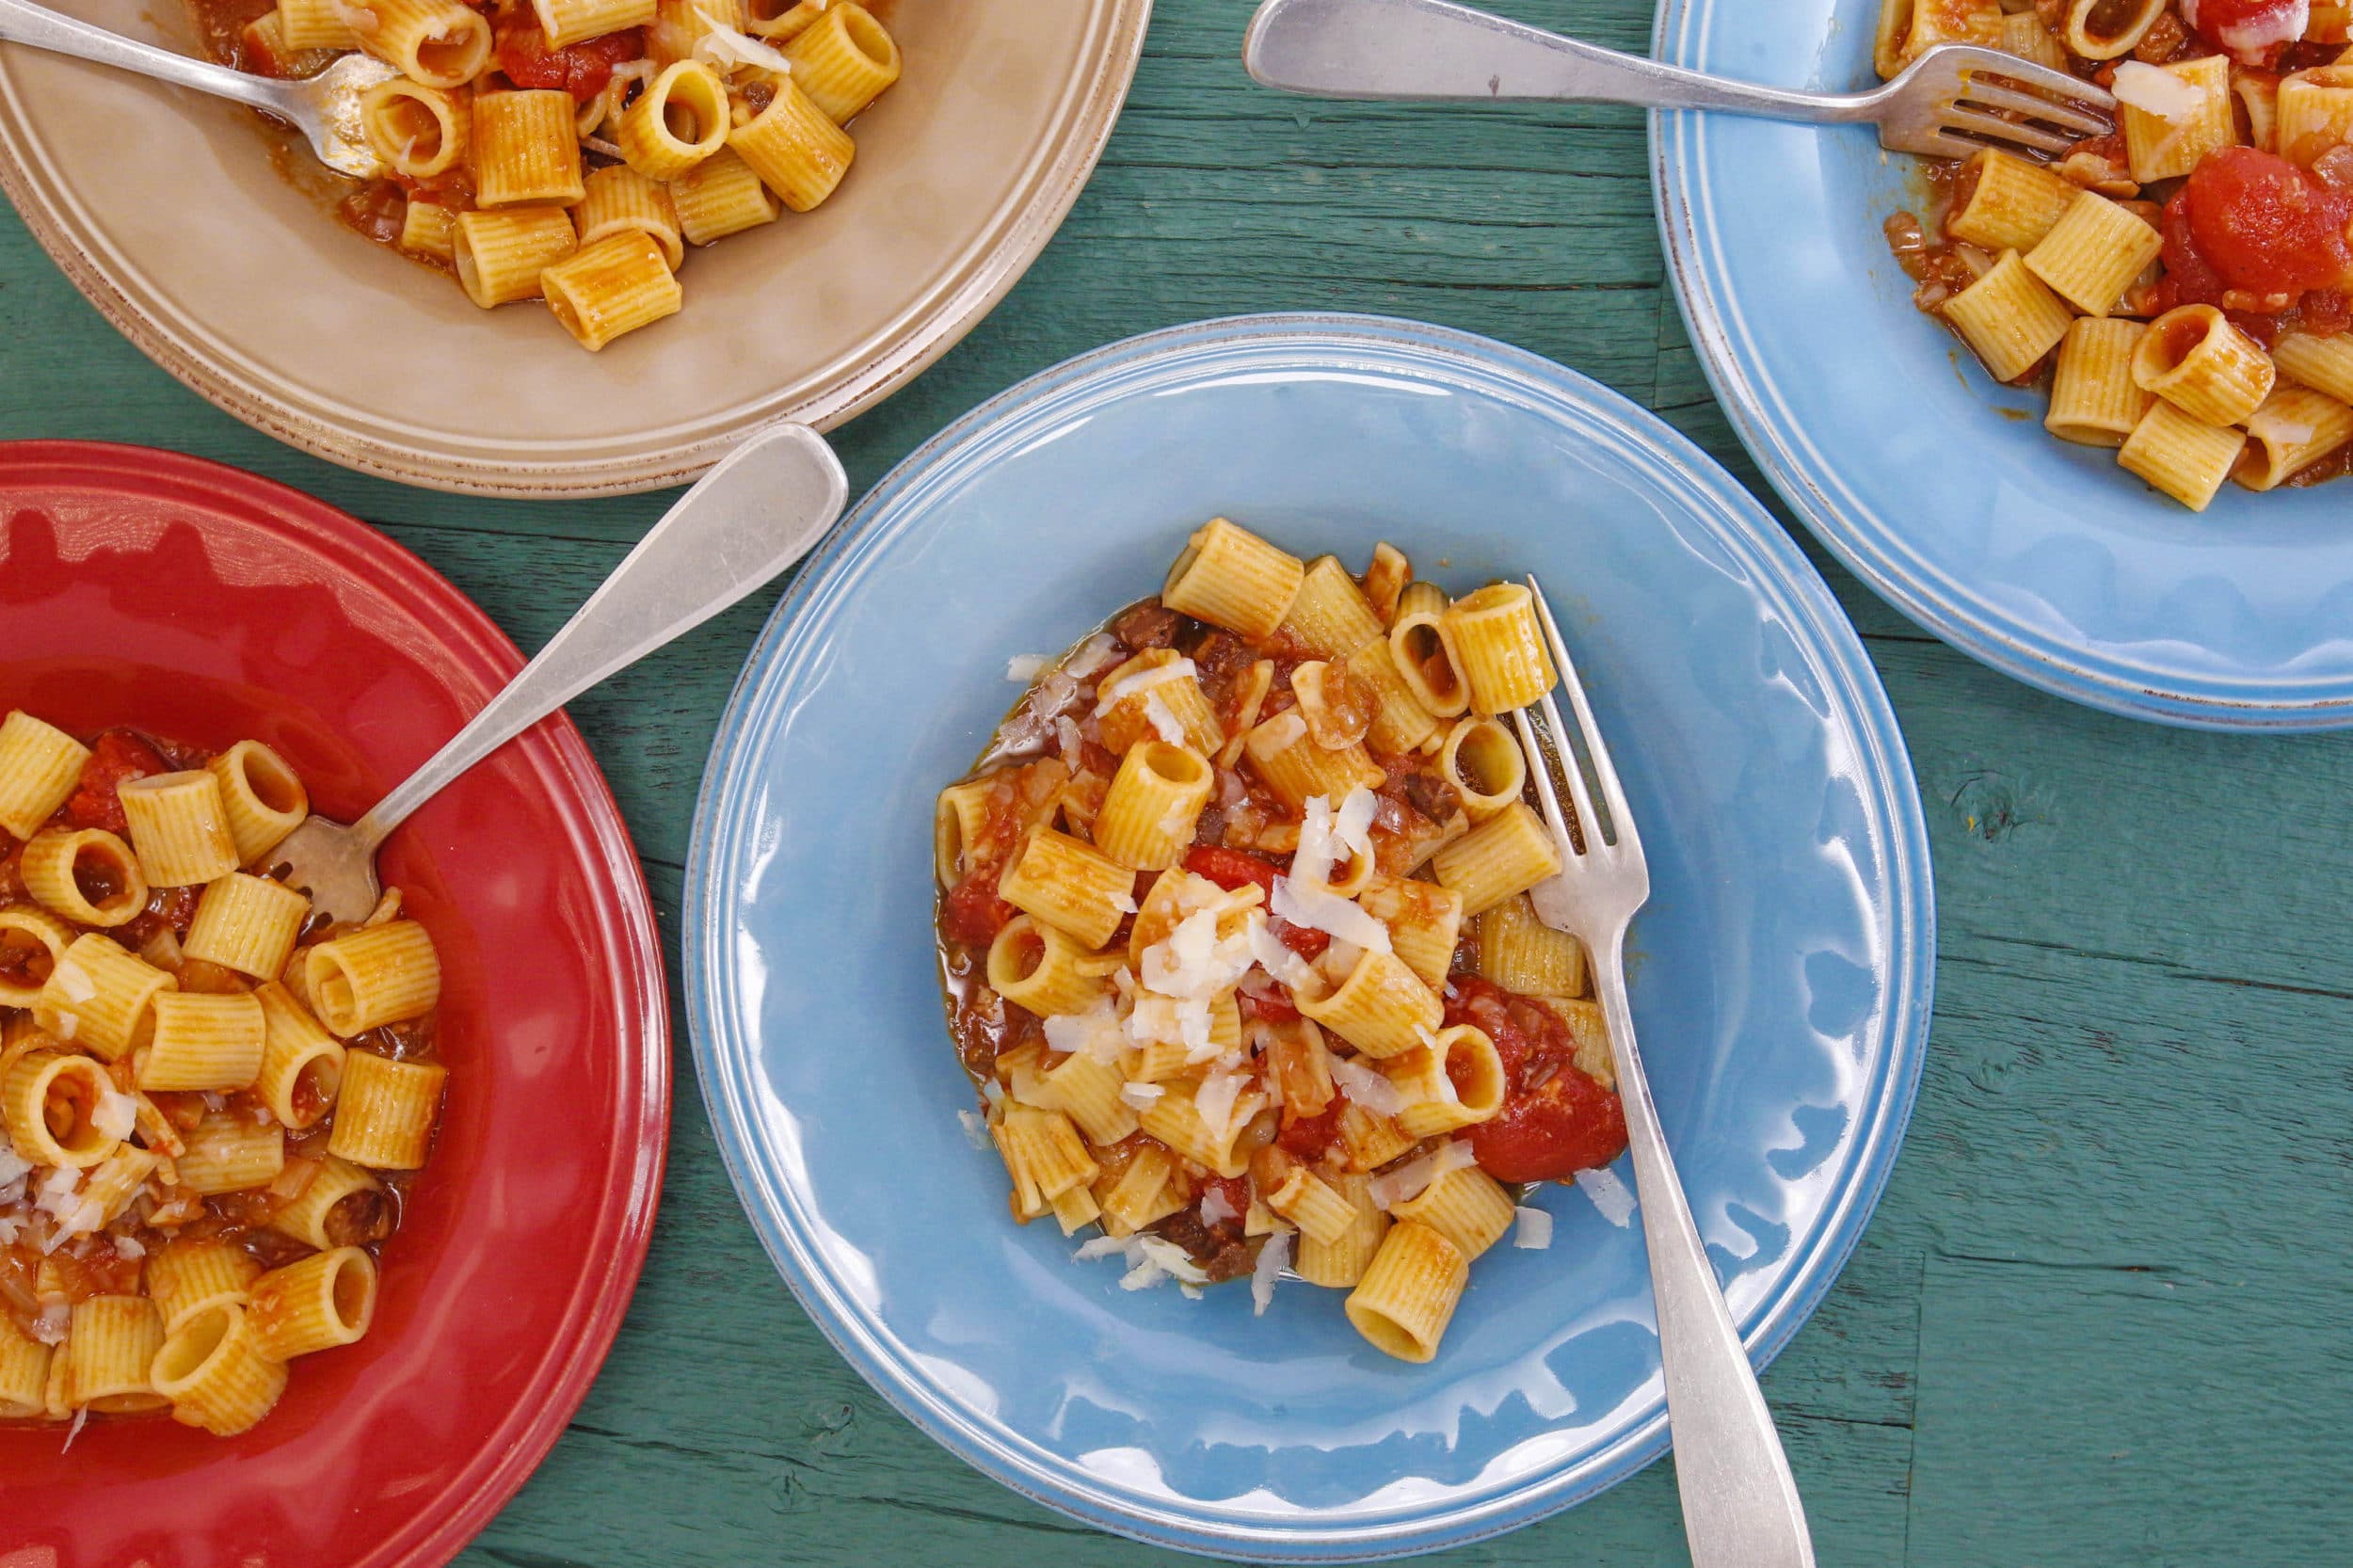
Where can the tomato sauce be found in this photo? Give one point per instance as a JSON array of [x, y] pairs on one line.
[[1556, 1120], [90, 1265]]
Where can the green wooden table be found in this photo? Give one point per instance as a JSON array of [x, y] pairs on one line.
[[2099, 1315]]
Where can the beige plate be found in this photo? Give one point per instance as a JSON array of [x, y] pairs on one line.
[[164, 207]]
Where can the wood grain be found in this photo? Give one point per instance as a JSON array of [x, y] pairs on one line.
[[2097, 1316]]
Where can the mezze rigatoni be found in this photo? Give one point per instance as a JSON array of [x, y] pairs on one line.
[[571, 151], [211, 1101], [1234, 926]]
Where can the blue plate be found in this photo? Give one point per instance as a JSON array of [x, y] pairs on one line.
[[1934, 483], [1783, 987]]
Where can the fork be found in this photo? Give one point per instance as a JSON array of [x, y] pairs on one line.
[[325, 108], [753, 515], [1740, 1505], [1943, 104]]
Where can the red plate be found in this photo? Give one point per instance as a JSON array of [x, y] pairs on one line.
[[206, 604]]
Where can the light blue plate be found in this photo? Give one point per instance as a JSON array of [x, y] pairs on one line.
[[1782, 986], [1935, 485]]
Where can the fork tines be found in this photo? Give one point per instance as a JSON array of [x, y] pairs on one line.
[[1588, 837]]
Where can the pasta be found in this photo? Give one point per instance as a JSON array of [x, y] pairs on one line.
[[2181, 285], [1236, 941], [199, 1162], [533, 112]]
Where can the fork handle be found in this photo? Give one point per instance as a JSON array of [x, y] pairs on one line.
[[42, 28], [1740, 1505], [1434, 49]]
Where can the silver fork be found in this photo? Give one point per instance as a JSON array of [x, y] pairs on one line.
[[1946, 103], [325, 108], [753, 515], [1740, 1505]]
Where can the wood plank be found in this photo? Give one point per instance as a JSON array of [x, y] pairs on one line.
[[2073, 1410]]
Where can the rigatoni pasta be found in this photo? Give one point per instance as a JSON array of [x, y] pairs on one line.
[[1234, 929], [183, 1139], [2181, 273], [725, 118]]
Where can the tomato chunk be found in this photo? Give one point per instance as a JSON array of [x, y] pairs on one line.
[[118, 755], [972, 913], [2254, 32], [2264, 226], [1556, 1121], [582, 69], [1307, 1137], [1565, 1125], [1233, 868]]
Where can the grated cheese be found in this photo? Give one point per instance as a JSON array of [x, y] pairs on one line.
[[1163, 723], [975, 1128], [1142, 1096], [1534, 1231], [1022, 668], [1409, 1181], [1609, 1195], [116, 1115], [1274, 1256], [1321, 909], [2156, 91], [1142, 680], [724, 48], [1372, 1089]]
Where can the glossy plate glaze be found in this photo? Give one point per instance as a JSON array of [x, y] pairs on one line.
[[211, 250], [1782, 985], [1935, 485], [202, 603]]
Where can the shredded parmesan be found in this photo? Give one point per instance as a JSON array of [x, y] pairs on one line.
[[724, 49], [1022, 668], [50, 1327], [1163, 723], [1095, 1033], [1142, 680], [1216, 1207], [1608, 1195], [1408, 1181], [1216, 1098], [1372, 1089], [116, 1115], [1272, 1258], [1280, 961], [2154, 91], [1142, 1096], [1321, 909], [1534, 1231], [1353, 822], [601, 147], [13, 1164]]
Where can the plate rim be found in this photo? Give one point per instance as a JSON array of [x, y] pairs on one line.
[[1936, 603], [504, 1459], [1016, 234], [1804, 598]]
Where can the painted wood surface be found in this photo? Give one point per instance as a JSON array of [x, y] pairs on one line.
[[2099, 1317]]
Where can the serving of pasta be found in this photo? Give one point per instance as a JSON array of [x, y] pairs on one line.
[[211, 1101], [570, 151], [1234, 927], [2185, 285]]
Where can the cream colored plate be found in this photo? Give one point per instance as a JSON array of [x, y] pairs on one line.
[[165, 209]]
